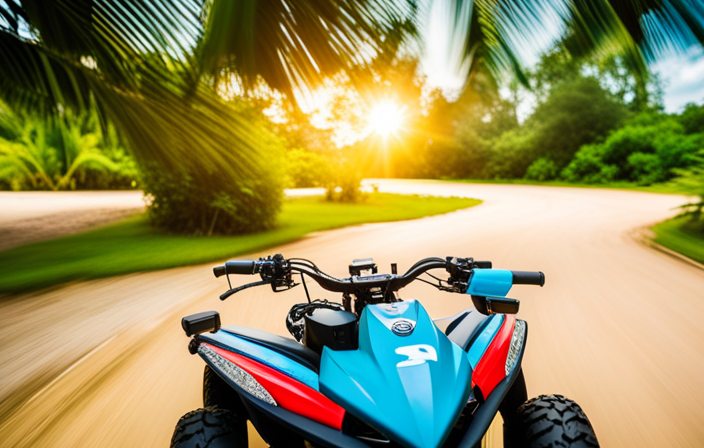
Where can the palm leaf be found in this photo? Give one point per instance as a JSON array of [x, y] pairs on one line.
[[295, 44], [641, 31]]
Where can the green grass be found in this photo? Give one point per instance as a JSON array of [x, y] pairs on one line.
[[135, 246], [680, 235], [664, 188]]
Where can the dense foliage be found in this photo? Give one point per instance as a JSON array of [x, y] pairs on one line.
[[161, 72], [63, 153]]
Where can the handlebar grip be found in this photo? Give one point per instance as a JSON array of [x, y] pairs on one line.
[[528, 278], [244, 267]]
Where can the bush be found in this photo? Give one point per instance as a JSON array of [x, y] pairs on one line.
[[307, 169], [345, 185], [587, 166], [646, 151], [65, 153], [692, 180], [542, 170], [646, 168], [186, 203], [511, 154], [692, 118]]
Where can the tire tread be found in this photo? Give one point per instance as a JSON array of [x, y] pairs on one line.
[[552, 421]]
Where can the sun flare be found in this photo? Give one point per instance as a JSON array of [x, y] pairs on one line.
[[385, 118]]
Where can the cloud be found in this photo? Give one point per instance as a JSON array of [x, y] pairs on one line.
[[683, 78]]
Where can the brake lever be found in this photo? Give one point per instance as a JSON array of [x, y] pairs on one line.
[[240, 288]]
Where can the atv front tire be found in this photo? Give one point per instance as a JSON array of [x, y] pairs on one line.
[[208, 427], [551, 421]]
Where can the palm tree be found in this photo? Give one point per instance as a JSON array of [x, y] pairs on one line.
[[495, 33], [153, 68]]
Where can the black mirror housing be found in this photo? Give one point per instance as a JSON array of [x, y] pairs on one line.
[[201, 322]]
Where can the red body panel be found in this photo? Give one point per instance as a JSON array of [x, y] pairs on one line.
[[491, 369], [290, 394]]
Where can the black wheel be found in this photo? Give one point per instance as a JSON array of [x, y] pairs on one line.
[[551, 421], [217, 393], [208, 427]]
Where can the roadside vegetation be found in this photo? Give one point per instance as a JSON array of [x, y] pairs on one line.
[[136, 246], [212, 108], [685, 233], [681, 235]]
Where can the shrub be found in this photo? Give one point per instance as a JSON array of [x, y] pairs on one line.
[[345, 185], [542, 170], [587, 166], [67, 152], [646, 151], [511, 154], [692, 118], [198, 204], [646, 169], [307, 169], [692, 180]]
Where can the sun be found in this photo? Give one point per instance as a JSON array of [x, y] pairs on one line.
[[386, 118]]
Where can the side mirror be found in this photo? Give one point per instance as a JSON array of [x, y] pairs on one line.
[[495, 305], [201, 322], [502, 305]]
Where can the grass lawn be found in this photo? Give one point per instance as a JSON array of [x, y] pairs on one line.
[[134, 246], [678, 234], [664, 188]]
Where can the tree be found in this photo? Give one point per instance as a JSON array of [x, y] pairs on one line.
[[576, 113], [154, 69]]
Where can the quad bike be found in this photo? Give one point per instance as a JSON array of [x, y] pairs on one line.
[[373, 370]]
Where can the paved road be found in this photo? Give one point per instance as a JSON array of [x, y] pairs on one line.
[[617, 326]]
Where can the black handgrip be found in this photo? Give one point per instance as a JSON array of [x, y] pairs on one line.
[[528, 278], [244, 267]]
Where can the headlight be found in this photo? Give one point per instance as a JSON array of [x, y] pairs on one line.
[[519, 336], [238, 376]]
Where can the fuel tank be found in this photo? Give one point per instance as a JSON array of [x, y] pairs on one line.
[[406, 379]]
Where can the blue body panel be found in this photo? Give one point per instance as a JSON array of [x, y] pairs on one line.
[[411, 388], [264, 355], [490, 282], [481, 343]]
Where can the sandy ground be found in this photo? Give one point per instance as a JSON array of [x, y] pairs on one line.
[[30, 216], [617, 326]]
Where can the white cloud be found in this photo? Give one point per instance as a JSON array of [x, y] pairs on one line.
[[683, 78]]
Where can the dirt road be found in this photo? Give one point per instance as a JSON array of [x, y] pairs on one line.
[[617, 326], [29, 216]]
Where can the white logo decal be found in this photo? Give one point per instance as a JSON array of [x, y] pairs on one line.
[[417, 354]]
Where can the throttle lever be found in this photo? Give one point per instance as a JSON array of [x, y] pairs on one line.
[[240, 288]]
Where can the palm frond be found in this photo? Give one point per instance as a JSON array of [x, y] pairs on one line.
[[292, 43], [159, 109], [644, 29], [641, 32]]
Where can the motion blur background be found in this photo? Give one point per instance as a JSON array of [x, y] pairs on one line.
[[140, 140]]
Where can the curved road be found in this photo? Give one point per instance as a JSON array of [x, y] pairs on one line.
[[618, 326]]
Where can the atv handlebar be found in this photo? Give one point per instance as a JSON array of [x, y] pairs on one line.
[[528, 278], [278, 270]]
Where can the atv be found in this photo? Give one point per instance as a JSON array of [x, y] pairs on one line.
[[374, 370]]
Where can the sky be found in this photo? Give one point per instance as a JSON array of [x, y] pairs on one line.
[[683, 79]]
